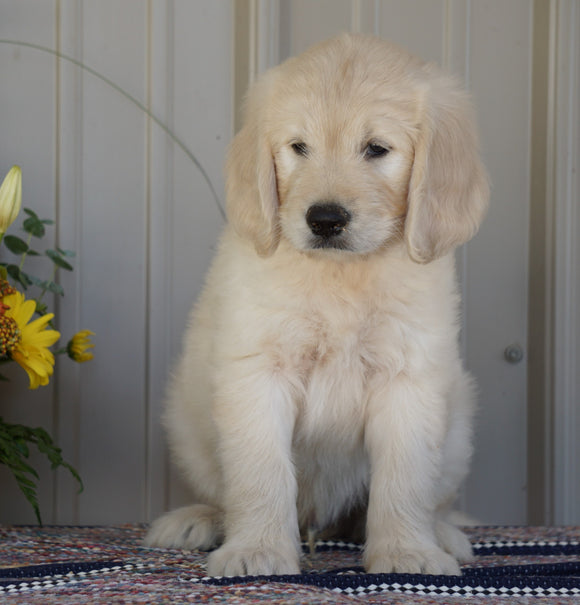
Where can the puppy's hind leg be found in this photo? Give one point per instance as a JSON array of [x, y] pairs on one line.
[[199, 526], [452, 540]]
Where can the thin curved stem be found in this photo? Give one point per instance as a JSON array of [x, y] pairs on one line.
[[136, 102]]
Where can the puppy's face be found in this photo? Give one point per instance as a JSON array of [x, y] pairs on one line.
[[342, 169], [351, 146]]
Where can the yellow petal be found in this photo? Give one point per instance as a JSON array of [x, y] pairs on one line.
[[21, 310], [42, 338], [41, 322], [38, 370], [84, 334], [78, 345], [46, 338]]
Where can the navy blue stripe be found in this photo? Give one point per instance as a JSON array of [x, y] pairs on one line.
[[531, 550], [54, 569], [556, 576]]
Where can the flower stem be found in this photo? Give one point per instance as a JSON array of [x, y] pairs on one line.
[[54, 270], [25, 254], [136, 102]]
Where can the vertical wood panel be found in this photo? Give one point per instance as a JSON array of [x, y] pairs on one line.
[[193, 97], [202, 109], [68, 378], [27, 102], [496, 288], [539, 429], [144, 224], [563, 191], [161, 210], [113, 244], [417, 25], [305, 23], [456, 27], [137, 210]]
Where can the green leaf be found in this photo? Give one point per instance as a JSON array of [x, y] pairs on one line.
[[41, 308], [11, 457], [14, 451], [67, 253], [74, 473], [15, 244], [57, 259], [45, 285], [33, 215], [23, 467], [55, 288], [30, 495], [22, 448], [19, 276], [34, 226], [41, 283]]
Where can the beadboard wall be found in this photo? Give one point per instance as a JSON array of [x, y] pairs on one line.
[[120, 114]]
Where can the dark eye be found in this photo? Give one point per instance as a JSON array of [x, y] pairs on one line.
[[300, 148], [375, 150]]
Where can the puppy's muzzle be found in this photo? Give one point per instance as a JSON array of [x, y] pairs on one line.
[[327, 221]]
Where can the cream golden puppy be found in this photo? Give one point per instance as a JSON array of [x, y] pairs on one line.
[[321, 368]]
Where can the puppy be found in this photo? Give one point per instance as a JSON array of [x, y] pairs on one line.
[[320, 370]]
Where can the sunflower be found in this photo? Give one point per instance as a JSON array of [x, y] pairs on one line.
[[78, 345], [29, 346]]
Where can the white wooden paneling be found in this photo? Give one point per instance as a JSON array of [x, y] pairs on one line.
[[564, 190], [110, 151], [160, 285], [497, 266], [418, 25], [27, 98], [113, 275], [554, 359], [69, 128], [304, 23], [202, 114], [127, 196]]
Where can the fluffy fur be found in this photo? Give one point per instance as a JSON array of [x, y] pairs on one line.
[[321, 372]]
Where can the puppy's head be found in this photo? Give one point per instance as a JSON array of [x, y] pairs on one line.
[[354, 145]]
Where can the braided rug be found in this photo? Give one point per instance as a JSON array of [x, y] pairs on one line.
[[99, 565]]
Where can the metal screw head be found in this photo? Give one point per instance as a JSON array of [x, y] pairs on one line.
[[513, 353]]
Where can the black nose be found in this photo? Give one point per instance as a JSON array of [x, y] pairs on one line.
[[327, 220]]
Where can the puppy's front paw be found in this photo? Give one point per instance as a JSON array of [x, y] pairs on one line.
[[197, 526], [235, 560], [414, 559]]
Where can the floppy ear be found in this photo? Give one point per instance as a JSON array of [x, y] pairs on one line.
[[448, 189], [252, 196]]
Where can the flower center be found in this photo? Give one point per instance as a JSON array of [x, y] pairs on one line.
[[5, 288], [9, 335]]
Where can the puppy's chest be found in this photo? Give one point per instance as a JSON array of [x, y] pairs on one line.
[[332, 356], [345, 345]]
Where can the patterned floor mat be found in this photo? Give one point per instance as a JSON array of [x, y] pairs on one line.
[[101, 565]]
